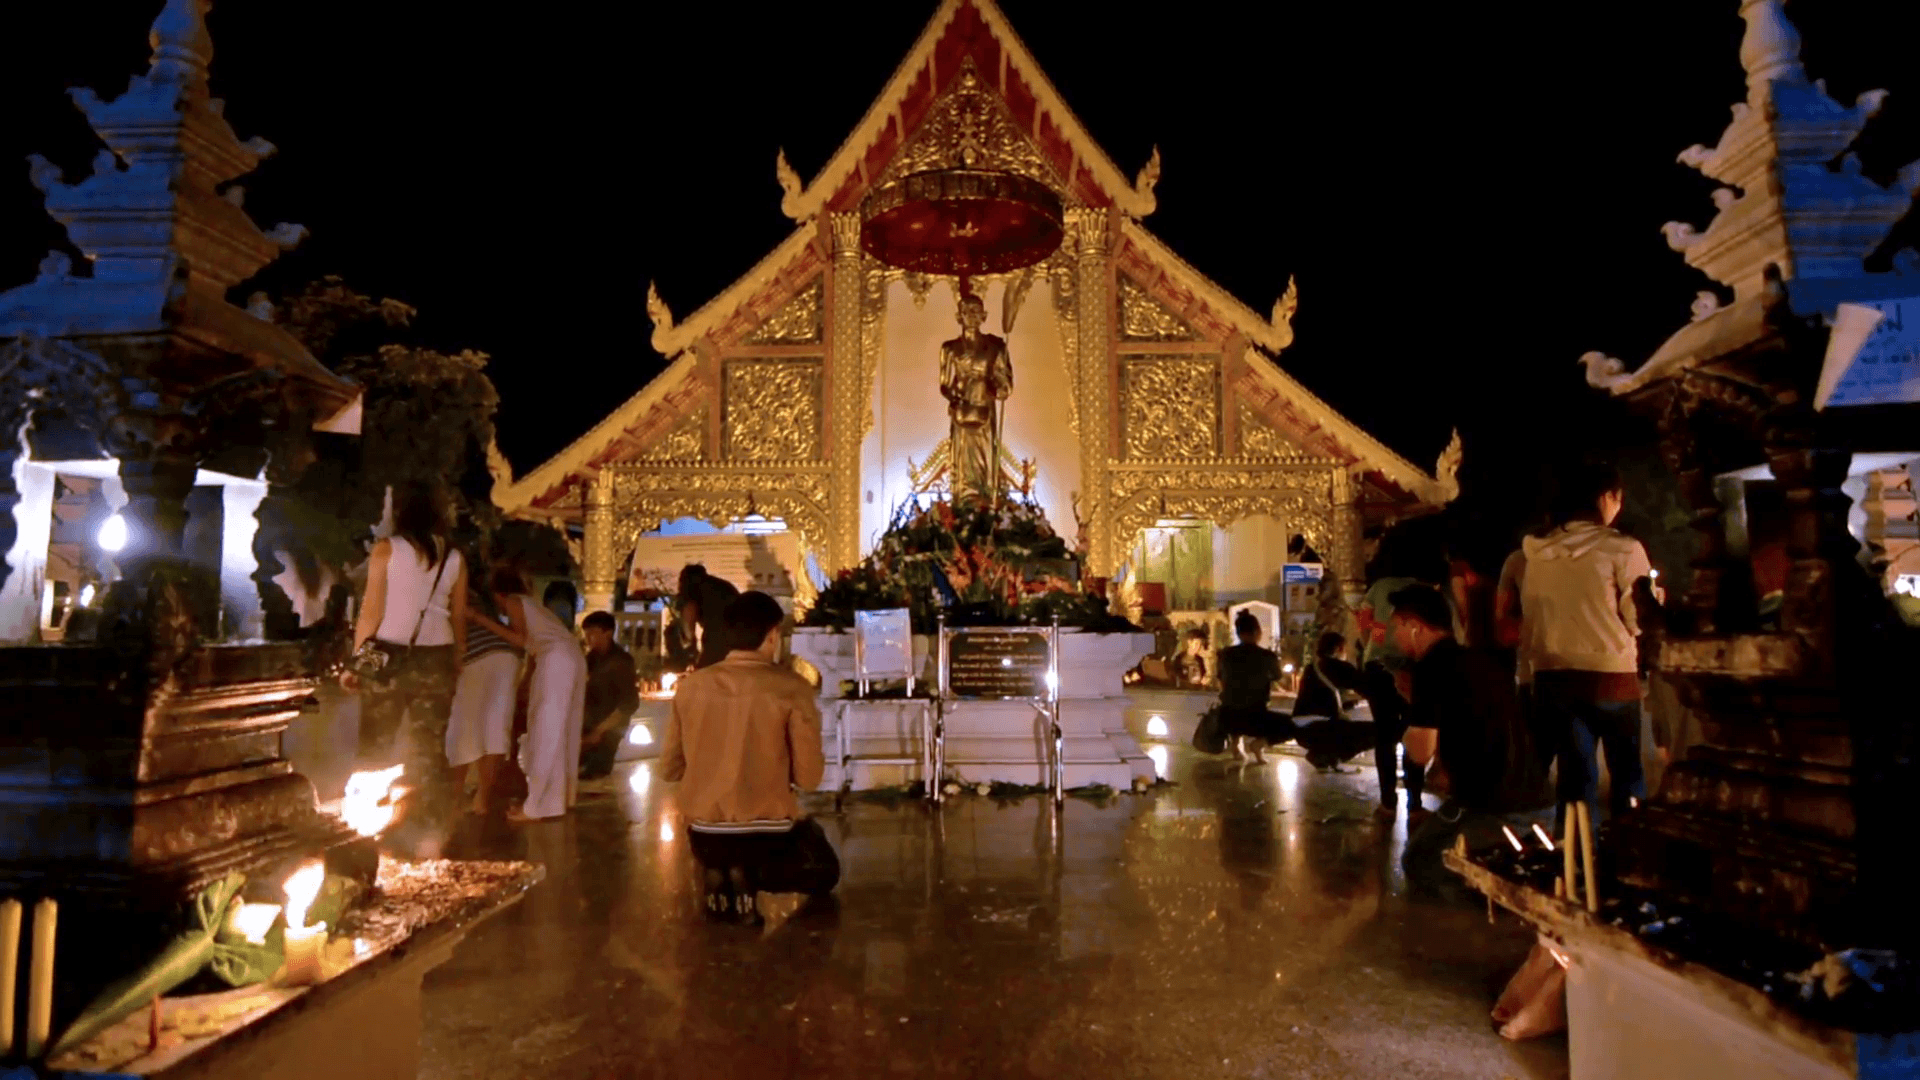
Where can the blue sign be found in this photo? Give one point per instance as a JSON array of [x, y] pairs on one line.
[[1294, 573]]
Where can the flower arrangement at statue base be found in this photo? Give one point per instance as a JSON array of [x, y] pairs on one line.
[[977, 562]]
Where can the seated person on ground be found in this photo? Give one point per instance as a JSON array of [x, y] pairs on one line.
[[1465, 715], [1247, 675], [1320, 712], [1190, 667], [745, 732]]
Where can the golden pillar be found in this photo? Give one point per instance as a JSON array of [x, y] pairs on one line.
[[849, 396], [1092, 238], [599, 562], [1349, 544]]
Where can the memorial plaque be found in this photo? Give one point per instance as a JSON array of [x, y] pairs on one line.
[[995, 663]]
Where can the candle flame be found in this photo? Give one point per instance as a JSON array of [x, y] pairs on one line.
[[1514, 840], [668, 680], [368, 805], [1542, 834], [252, 921], [301, 889], [1558, 956]]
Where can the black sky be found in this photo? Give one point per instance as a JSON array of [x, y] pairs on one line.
[[1470, 195]]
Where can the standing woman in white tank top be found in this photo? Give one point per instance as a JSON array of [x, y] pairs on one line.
[[416, 607]]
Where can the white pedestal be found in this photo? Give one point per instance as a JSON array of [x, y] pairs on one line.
[[986, 741]]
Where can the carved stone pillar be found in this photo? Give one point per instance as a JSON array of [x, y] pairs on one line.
[[1349, 545], [599, 564], [1092, 238], [849, 393]]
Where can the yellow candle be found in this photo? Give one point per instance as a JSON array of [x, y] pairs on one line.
[[304, 944], [1569, 848], [46, 916], [9, 958], [1586, 855]]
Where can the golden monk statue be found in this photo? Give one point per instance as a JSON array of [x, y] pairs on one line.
[[975, 377]]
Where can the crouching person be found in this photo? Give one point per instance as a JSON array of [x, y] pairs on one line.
[[745, 733], [1465, 715]]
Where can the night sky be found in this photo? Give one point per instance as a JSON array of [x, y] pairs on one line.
[[1470, 195]]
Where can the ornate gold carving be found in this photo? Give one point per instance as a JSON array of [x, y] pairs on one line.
[[1092, 294], [797, 322], [1142, 318], [1299, 495], [1260, 439], [1066, 309], [873, 325], [852, 349], [600, 554], [969, 127], [773, 410], [797, 493], [1172, 407], [684, 441]]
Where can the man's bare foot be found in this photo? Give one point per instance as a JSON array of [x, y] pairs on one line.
[[1239, 749], [1386, 814]]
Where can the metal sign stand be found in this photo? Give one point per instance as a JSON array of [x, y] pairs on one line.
[[1046, 703], [864, 674]]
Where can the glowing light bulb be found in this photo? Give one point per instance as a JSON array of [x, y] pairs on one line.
[[113, 534], [1156, 727], [638, 735], [86, 595], [1286, 669]]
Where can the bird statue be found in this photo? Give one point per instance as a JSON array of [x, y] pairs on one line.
[[1604, 372]]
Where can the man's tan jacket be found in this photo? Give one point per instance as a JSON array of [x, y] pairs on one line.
[[743, 732]]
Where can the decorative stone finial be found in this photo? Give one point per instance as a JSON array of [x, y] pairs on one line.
[[182, 48], [1770, 51], [662, 317], [1146, 178], [791, 187], [1447, 469], [1284, 308]]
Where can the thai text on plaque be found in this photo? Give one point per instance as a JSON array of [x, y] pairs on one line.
[[995, 663]]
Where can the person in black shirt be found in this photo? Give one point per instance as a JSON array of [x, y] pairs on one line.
[[1247, 674], [1465, 715], [1320, 714], [613, 693], [703, 602]]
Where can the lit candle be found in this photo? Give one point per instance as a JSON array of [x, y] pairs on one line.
[[1569, 848], [9, 955], [1542, 834], [1514, 840], [46, 916], [304, 943], [252, 921], [1586, 855]]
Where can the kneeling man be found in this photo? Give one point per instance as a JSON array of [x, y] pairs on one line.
[[1465, 714], [745, 732]]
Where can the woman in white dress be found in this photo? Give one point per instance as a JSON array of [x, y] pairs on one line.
[[481, 728], [556, 700]]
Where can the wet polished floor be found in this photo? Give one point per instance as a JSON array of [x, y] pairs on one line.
[[1243, 922]]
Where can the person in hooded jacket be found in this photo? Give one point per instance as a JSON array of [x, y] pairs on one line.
[[1580, 632]]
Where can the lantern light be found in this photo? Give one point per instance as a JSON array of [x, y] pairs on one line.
[[113, 534]]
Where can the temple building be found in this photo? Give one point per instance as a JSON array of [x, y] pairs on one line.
[[1148, 414]]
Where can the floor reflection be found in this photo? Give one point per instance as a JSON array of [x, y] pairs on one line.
[[1247, 920]]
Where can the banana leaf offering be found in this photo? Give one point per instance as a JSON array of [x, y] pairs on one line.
[[207, 940]]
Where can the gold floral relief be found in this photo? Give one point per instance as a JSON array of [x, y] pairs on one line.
[[1260, 439], [684, 441], [797, 322], [649, 495], [773, 410], [1142, 318], [1172, 408], [968, 127]]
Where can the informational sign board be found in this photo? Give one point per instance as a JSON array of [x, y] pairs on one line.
[[1873, 355], [767, 562], [1294, 573], [883, 645], [997, 662]]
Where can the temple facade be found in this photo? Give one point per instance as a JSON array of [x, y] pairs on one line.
[[1148, 409]]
